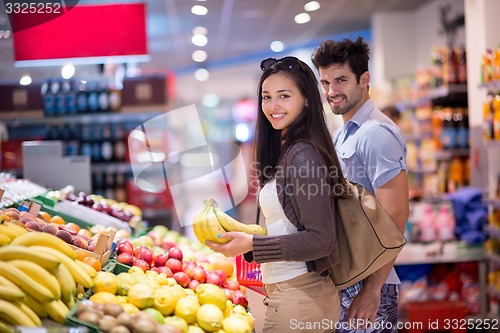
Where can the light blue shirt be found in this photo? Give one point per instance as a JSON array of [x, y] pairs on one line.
[[370, 148], [371, 152]]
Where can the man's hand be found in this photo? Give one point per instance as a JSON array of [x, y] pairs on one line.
[[365, 305]]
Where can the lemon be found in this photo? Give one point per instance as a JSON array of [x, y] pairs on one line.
[[177, 290], [104, 297], [236, 324], [136, 270], [209, 317], [151, 274], [162, 279], [122, 299], [177, 323], [141, 295], [157, 315], [165, 300], [105, 281], [186, 309], [195, 329], [130, 308], [125, 282], [208, 293]]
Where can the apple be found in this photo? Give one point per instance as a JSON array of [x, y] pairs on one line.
[[92, 245], [232, 285], [147, 255], [182, 279], [80, 242], [188, 267], [141, 263], [175, 252], [200, 274], [156, 237], [229, 293], [138, 249], [193, 284], [125, 247], [223, 276], [240, 300], [166, 244], [97, 206], [106, 208], [175, 265], [214, 278], [125, 258], [164, 269], [161, 259]]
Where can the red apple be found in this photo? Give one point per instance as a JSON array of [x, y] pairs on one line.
[[175, 252], [232, 285], [125, 258], [147, 255], [138, 249], [141, 263], [229, 293], [188, 267], [175, 265], [167, 244], [166, 270], [199, 274], [182, 279], [240, 300], [223, 276], [125, 247], [161, 259], [214, 278], [155, 236], [193, 284]]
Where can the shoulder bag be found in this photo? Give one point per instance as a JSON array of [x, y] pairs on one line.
[[368, 238]]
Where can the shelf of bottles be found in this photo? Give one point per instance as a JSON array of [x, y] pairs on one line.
[[493, 250]]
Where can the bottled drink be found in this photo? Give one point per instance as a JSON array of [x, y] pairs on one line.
[[461, 65], [120, 193], [93, 98], [70, 91], [103, 97], [115, 100], [488, 118], [452, 65], [106, 144], [496, 118], [445, 223], [98, 183], [456, 177], [81, 97], [59, 98], [463, 128], [48, 98], [427, 232], [86, 143], [96, 143], [120, 148], [109, 186]]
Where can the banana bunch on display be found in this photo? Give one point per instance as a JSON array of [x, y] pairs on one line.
[[39, 278], [211, 222]]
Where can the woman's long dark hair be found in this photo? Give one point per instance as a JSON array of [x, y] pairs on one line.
[[309, 127]]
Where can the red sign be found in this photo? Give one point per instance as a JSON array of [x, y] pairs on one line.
[[97, 31]]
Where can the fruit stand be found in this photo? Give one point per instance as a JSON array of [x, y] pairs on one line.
[[59, 266]]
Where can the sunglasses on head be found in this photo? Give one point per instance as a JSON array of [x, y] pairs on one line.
[[283, 63]]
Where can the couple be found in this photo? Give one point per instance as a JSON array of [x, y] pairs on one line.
[[291, 135]]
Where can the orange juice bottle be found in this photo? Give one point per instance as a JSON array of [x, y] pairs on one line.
[[488, 118], [496, 117]]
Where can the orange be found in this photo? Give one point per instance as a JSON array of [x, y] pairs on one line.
[[81, 254], [93, 262], [105, 281], [45, 216], [85, 232], [104, 297], [73, 226], [224, 264], [57, 219]]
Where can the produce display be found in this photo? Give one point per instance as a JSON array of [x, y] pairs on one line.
[[158, 282]]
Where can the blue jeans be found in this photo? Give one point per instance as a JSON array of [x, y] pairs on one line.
[[387, 314]]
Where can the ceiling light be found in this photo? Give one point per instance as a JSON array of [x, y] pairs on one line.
[[25, 80], [199, 10], [199, 56], [277, 46], [199, 40], [68, 71], [302, 18], [311, 6], [199, 30], [201, 74], [210, 100]]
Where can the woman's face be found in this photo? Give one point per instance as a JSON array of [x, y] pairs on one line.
[[282, 101]]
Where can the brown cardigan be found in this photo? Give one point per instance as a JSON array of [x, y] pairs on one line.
[[305, 197]]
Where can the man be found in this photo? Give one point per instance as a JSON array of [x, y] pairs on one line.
[[372, 152]]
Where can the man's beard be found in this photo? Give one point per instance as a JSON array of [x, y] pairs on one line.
[[342, 110]]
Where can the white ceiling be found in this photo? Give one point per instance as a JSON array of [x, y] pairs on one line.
[[239, 35]]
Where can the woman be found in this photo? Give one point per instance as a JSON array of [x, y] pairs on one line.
[[298, 170]]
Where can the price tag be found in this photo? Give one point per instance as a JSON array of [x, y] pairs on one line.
[[34, 209]]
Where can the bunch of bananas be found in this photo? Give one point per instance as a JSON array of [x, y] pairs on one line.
[[39, 278], [211, 222]]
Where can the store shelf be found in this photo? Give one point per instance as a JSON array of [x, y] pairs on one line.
[[440, 252], [101, 118], [119, 167], [493, 85], [437, 94], [450, 153]]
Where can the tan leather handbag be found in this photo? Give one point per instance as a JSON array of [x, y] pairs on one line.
[[367, 236]]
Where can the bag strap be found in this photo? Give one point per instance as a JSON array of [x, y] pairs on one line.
[[257, 218]]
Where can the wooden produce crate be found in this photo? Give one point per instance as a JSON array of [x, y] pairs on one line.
[[104, 247]]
